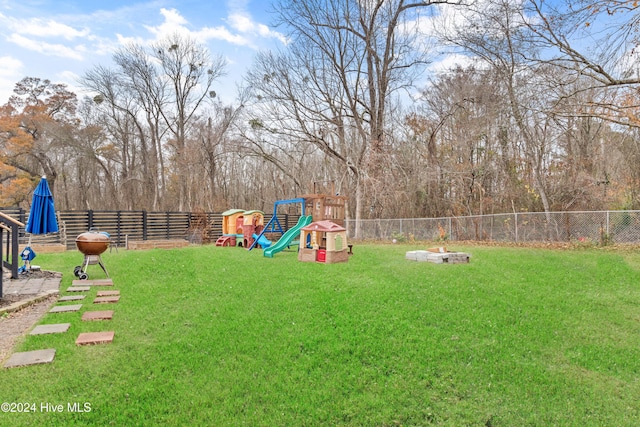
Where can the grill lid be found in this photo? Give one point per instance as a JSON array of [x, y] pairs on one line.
[[92, 242]]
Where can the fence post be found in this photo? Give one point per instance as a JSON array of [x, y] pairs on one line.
[[22, 215], [516, 224], [168, 222], [608, 224], [15, 233], [450, 229], [144, 224], [89, 219], [118, 227]]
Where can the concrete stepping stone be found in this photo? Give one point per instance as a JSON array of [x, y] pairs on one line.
[[55, 328], [97, 315], [65, 308], [107, 300], [107, 293], [89, 338], [100, 282], [27, 358], [78, 288], [71, 298]]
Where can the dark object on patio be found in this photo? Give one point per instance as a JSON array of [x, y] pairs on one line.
[[27, 255]]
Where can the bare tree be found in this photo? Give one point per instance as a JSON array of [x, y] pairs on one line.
[[190, 71], [150, 103], [332, 87], [499, 35]]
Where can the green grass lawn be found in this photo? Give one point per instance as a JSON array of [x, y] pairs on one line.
[[224, 337]]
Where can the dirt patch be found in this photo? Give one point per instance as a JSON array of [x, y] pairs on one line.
[[39, 274], [15, 324]]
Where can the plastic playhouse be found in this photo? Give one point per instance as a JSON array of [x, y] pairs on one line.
[[232, 221], [252, 225], [241, 228], [323, 241]]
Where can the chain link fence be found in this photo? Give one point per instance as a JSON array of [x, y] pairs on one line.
[[598, 227]]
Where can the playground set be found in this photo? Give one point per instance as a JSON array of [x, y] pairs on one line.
[[320, 227], [240, 228]]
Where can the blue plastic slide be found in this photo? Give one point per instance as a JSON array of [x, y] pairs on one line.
[[287, 237], [262, 241]]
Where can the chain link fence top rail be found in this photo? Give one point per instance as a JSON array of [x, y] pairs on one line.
[[602, 227]]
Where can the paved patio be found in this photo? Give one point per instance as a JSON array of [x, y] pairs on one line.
[[32, 287]]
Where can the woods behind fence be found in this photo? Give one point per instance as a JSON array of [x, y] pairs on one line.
[[598, 227]]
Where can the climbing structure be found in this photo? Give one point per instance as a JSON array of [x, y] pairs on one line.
[[324, 204]]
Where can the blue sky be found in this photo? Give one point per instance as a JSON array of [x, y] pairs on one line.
[[60, 40]]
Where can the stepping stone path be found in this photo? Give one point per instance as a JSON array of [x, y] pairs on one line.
[[87, 338], [65, 308], [107, 293], [101, 282], [26, 358], [55, 328], [106, 300], [71, 298], [97, 315], [78, 288]]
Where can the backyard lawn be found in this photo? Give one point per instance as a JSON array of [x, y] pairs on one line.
[[225, 337]]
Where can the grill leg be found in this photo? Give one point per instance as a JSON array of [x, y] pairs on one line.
[[102, 265]]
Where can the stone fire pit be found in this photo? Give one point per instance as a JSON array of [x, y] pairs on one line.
[[438, 256]]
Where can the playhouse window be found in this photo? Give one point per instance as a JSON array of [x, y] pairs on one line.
[[338, 242]]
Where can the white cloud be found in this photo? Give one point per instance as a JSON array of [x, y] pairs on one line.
[[49, 49], [46, 29], [221, 33], [449, 62], [241, 22], [242, 30], [173, 22], [246, 25], [70, 79], [10, 73], [30, 34], [9, 66]]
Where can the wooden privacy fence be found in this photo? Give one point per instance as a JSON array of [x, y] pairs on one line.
[[124, 226]]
